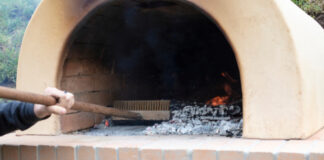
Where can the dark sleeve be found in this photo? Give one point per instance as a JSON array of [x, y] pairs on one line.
[[16, 115]]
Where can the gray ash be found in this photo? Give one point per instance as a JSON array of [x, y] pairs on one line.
[[200, 119], [233, 110]]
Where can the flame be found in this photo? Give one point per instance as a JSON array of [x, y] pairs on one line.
[[218, 100]]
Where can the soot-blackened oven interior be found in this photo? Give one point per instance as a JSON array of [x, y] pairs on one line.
[[149, 50]]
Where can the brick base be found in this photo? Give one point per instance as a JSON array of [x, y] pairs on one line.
[[74, 147]]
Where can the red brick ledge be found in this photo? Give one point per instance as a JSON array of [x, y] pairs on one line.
[[77, 147]]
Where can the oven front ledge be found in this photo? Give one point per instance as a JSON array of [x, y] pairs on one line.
[[78, 147]]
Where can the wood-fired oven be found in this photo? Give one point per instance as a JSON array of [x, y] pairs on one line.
[[108, 50]]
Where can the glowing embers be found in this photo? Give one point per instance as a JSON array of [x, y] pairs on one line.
[[218, 100], [231, 89]]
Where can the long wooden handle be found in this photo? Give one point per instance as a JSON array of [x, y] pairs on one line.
[[13, 94]]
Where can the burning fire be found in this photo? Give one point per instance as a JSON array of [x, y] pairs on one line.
[[218, 100]]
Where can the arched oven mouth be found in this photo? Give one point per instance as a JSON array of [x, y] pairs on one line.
[[167, 60]]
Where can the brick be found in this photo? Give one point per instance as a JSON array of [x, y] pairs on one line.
[[176, 155], [86, 153], [99, 97], [234, 150], [103, 69], [46, 152], [100, 68], [294, 150], [74, 67], [317, 151], [102, 98], [65, 152], [89, 66], [231, 155], [291, 156], [78, 84], [265, 150], [28, 152], [204, 154], [128, 154], [152, 151], [76, 121], [84, 51], [10, 152], [104, 82], [104, 153], [261, 155], [316, 156], [151, 154]]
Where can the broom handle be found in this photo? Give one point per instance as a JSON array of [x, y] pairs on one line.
[[13, 94]]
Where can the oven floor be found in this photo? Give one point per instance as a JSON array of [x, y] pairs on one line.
[[187, 119], [114, 131]]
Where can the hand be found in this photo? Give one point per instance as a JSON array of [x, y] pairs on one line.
[[66, 101]]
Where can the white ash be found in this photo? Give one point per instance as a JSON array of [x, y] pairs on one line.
[[197, 120]]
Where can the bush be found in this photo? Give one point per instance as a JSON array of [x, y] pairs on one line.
[[14, 17], [311, 7]]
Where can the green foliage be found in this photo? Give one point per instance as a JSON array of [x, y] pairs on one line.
[[311, 7], [14, 17]]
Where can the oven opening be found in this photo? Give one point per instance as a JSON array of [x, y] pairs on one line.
[[164, 59]]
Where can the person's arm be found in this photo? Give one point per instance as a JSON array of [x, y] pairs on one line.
[[16, 115], [20, 115]]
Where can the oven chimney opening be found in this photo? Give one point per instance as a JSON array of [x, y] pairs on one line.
[[158, 57]]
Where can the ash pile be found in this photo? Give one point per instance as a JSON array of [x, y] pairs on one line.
[[200, 119]]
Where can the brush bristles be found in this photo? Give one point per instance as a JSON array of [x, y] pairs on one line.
[[140, 105]]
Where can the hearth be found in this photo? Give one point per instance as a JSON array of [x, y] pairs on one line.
[[186, 119]]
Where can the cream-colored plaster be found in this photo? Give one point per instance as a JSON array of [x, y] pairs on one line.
[[42, 48], [277, 46], [308, 38]]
